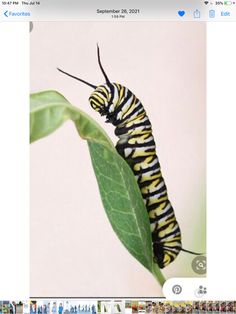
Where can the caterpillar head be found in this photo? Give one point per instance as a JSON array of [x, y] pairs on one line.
[[101, 97]]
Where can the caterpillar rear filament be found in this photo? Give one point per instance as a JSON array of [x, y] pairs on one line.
[[137, 146]]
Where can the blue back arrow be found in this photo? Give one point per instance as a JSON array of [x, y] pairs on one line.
[[5, 13]]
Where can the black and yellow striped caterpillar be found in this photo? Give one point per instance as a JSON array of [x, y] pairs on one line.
[[136, 145]]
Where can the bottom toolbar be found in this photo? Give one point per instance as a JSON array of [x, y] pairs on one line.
[[114, 306]]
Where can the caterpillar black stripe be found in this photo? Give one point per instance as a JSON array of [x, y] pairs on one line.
[[137, 146]]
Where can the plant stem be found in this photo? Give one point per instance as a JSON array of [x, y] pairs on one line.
[[158, 274]]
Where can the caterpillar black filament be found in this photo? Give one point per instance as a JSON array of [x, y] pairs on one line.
[[137, 146]]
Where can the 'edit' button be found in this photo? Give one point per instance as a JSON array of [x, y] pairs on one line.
[[225, 13]]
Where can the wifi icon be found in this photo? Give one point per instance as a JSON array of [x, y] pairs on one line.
[[206, 2]]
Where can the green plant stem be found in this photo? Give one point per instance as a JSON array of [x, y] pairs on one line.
[[158, 274]]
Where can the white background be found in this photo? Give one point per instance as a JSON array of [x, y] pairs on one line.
[[221, 153], [14, 165], [14, 161]]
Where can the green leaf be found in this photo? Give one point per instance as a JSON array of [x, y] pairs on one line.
[[119, 190], [49, 110]]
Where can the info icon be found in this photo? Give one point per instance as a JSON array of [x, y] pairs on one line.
[[199, 265]]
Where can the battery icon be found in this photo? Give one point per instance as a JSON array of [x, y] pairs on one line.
[[228, 3]]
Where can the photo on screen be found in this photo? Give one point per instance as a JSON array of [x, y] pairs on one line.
[[112, 219]]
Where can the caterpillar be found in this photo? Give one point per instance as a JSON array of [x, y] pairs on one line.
[[137, 146]]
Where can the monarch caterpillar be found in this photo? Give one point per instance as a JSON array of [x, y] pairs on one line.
[[137, 146]]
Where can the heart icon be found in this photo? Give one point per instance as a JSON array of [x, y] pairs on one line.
[[181, 13]]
